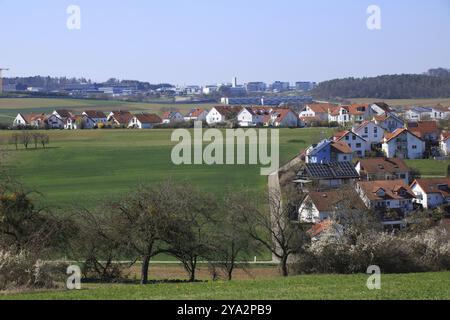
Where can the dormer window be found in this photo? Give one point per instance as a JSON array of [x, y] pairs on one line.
[[381, 193]]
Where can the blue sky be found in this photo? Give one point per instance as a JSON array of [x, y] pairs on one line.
[[209, 41]]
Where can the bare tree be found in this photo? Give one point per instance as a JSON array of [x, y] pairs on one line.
[[275, 231], [44, 140], [15, 139], [25, 139]]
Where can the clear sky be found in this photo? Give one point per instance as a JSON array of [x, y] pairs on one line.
[[210, 41]]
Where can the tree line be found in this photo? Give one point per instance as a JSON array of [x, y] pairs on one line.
[[27, 138], [406, 86]]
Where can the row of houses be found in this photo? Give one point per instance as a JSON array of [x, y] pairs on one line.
[[382, 185], [89, 119]]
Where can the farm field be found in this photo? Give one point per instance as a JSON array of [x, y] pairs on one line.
[[9, 108], [426, 286], [406, 102], [93, 165]]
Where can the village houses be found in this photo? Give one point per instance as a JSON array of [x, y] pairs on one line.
[[144, 121], [431, 193], [389, 122], [373, 169], [403, 144], [196, 115], [358, 145], [369, 131]]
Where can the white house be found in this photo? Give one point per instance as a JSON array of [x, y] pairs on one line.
[[196, 115], [431, 193], [284, 118], [248, 118], [389, 122], [440, 113], [445, 143], [403, 144], [55, 122], [221, 114], [318, 111], [172, 117], [29, 120], [96, 116], [370, 131], [83, 122], [418, 114], [355, 113], [380, 108], [358, 145], [144, 121]]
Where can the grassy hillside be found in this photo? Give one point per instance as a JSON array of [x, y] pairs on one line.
[[94, 165], [426, 286]]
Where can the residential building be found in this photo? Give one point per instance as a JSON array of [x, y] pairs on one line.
[[445, 143], [29, 120], [426, 130], [370, 131], [389, 122], [391, 200], [380, 109], [171, 117], [285, 118], [221, 114], [144, 121], [355, 113], [253, 116], [358, 145], [403, 144], [418, 114], [373, 169], [440, 113], [431, 193], [196, 115], [97, 116], [82, 122], [120, 118], [55, 122], [328, 151], [319, 111], [320, 206], [327, 175]]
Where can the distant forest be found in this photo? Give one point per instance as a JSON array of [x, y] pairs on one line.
[[433, 84]]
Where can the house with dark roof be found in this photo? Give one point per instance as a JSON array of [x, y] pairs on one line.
[[373, 169], [431, 193], [392, 200], [144, 121], [319, 206], [403, 144], [418, 114], [96, 116], [380, 108], [327, 175]]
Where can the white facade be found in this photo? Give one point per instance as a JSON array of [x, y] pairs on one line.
[[215, 116], [247, 118], [404, 146], [445, 145], [174, 117], [19, 121], [289, 120], [55, 122], [429, 200], [343, 117], [308, 212], [370, 132], [358, 145], [440, 114]]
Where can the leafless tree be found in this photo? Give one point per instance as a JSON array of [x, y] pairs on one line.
[[26, 138], [15, 139]]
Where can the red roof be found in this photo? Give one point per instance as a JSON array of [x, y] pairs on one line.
[[148, 118], [423, 128], [319, 228], [389, 136]]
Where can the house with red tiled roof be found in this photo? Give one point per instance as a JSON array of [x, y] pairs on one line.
[[426, 130], [285, 118], [29, 120], [403, 144], [196, 115], [97, 116], [120, 118], [144, 121], [355, 113], [318, 111], [392, 200], [431, 193], [357, 144], [252, 117]]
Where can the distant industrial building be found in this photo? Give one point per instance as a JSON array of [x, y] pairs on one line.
[[267, 101], [279, 86], [305, 86], [256, 87]]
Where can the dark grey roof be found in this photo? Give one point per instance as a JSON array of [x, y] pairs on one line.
[[334, 170]]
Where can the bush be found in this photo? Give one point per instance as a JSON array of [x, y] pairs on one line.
[[427, 251], [22, 271]]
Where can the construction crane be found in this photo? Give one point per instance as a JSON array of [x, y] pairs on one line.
[[1, 79]]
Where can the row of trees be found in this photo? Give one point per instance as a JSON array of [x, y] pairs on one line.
[[27, 138]]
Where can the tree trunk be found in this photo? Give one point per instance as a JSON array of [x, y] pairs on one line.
[[193, 268], [144, 269], [284, 266]]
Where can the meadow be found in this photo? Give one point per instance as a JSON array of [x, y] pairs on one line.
[[90, 166], [425, 286]]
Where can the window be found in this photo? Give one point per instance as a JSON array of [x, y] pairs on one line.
[[414, 147], [358, 145], [354, 137]]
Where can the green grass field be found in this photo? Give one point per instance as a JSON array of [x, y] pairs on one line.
[[89, 166], [426, 286]]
